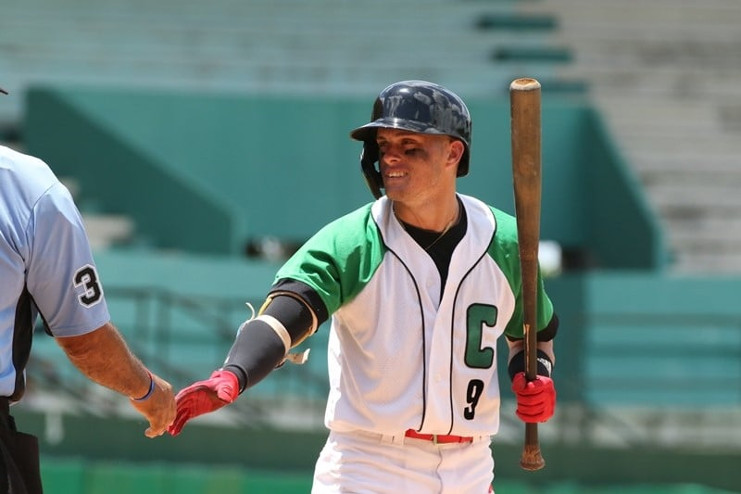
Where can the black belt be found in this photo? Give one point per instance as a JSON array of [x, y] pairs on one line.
[[6, 420]]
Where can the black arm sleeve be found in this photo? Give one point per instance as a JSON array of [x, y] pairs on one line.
[[305, 293], [294, 315], [257, 350]]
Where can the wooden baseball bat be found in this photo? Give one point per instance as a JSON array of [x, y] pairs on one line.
[[526, 172]]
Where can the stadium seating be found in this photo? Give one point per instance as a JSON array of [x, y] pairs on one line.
[[246, 154], [665, 75], [281, 46]]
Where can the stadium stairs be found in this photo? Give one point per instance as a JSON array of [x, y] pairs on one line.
[[663, 73], [666, 75]]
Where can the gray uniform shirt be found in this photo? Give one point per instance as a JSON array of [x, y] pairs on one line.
[[46, 265]]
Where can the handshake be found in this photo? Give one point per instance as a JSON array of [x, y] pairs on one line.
[[201, 397]]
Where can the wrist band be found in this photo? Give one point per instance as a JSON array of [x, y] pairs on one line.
[[517, 364], [151, 389]]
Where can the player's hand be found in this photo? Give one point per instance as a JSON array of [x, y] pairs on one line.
[[159, 408], [202, 397], [536, 400]]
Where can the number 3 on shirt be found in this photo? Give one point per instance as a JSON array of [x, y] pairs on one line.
[[87, 278]]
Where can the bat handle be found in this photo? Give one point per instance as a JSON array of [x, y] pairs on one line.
[[531, 458]]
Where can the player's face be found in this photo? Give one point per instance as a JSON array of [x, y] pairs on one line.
[[415, 167]]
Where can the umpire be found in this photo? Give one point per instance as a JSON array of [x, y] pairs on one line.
[[47, 269]]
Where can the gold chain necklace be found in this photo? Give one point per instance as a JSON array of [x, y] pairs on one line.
[[439, 237], [442, 234]]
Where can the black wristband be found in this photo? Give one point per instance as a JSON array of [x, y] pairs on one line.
[[517, 364], [150, 391]]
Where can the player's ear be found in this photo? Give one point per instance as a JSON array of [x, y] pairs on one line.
[[455, 151]]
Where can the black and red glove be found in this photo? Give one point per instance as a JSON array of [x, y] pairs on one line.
[[536, 400], [202, 397]]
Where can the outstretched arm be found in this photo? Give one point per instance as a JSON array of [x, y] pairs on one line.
[[104, 357], [260, 346]]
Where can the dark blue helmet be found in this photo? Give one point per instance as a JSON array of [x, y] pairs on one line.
[[416, 106]]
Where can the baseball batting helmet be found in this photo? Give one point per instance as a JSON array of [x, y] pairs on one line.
[[416, 106]]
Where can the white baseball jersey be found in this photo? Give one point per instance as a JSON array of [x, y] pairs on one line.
[[401, 356], [46, 265]]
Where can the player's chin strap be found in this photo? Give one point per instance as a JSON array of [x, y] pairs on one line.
[[373, 179]]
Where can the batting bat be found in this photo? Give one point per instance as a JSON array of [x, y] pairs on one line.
[[526, 173]]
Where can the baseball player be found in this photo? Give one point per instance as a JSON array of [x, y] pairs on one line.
[[420, 285], [47, 268]]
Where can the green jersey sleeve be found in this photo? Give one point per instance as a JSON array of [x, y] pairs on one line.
[[505, 252], [339, 260]]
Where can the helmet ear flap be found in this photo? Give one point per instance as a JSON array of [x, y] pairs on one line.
[[368, 159]]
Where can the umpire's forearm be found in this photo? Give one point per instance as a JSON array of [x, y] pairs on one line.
[[104, 357]]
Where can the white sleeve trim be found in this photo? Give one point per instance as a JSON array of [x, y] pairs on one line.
[[279, 329]]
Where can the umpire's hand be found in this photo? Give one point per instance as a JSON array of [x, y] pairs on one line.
[[158, 408]]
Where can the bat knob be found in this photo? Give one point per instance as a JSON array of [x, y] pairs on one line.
[[531, 458], [532, 464]]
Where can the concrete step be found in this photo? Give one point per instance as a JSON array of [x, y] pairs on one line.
[[706, 262], [719, 241], [646, 16], [103, 230], [721, 195], [107, 230], [691, 176], [713, 165]]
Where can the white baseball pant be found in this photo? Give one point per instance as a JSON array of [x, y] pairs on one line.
[[361, 462]]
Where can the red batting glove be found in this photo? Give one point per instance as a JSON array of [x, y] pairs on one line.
[[202, 397], [536, 400]]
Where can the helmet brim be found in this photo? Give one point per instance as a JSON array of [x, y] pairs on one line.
[[368, 131]]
